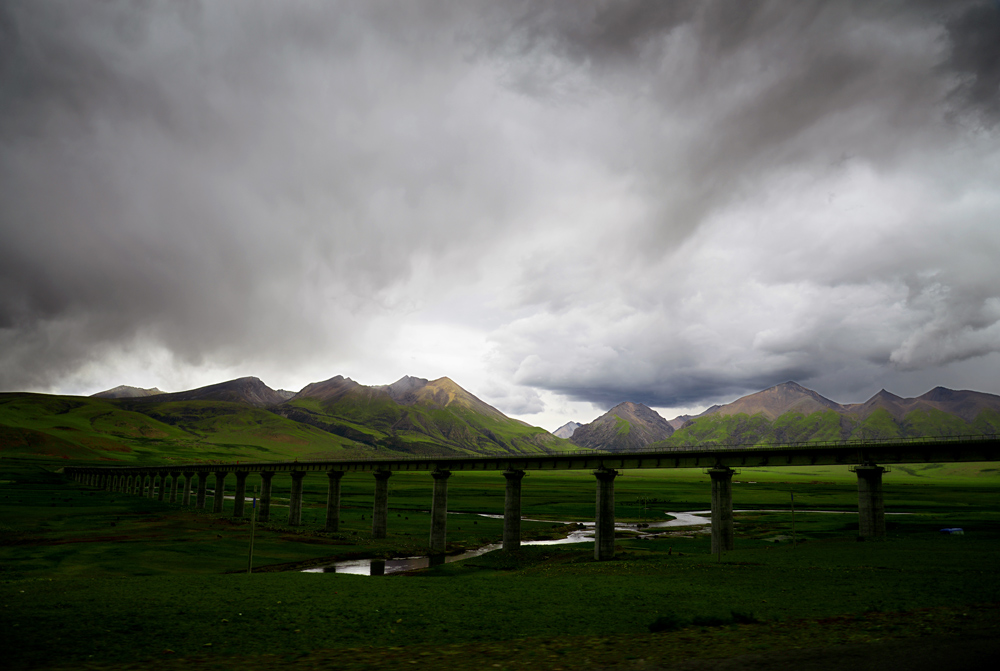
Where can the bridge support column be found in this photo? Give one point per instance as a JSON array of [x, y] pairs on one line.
[[137, 484], [220, 491], [439, 511], [187, 487], [161, 490], [333, 501], [604, 520], [265, 496], [128, 484], [241, 494], [871, 505], [295, 499], [512, 510], [202, 490], [152, 486], [174, 476], [380, 513], [722, 509]]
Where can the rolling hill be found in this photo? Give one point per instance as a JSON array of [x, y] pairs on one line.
[[246, 419]]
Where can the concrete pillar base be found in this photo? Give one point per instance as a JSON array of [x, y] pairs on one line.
[[241, 494], [174, 477], [202, 490], [380, 512], [295, 499], [265, 496], [871, 505], [439, 511], [219, 499], [722, 509], [512, 510], [604, 519], [333, 501]]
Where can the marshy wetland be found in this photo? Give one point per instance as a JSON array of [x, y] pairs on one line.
[[93, 579]]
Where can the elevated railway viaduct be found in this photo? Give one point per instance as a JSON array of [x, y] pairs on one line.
[[868, 459]]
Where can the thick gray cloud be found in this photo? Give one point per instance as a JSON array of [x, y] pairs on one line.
[[672, 203]]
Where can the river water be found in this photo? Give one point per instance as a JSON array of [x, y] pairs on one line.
[[586, 533]]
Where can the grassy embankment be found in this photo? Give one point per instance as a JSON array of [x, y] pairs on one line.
[[151, 588]]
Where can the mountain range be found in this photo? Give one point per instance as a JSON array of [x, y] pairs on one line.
[[246, 419], [789, 412]]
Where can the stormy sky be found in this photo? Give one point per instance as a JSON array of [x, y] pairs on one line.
[[560, 205]]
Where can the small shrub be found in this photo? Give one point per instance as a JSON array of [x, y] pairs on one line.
[[667, 622], [740, 617]]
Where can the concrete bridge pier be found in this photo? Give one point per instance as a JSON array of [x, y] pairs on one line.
[[220, 491], [202, 490], [152, 486], [295, 499], [604, 520], [333, 501], [174, 475], [871, 505], [187, 487], [161, 489], [380, 513], [137, 485], [439, 511], [241, 494], [512, 510], [265, 496], [128, 484], [722, 509]]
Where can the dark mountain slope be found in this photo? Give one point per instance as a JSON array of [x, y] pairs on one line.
[[627, 426]]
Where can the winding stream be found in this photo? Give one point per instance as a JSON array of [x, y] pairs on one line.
[[373, 567]]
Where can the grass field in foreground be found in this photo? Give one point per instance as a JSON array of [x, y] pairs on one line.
[[150, 590]]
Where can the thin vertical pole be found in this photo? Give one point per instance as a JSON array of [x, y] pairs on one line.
[[793, 516]]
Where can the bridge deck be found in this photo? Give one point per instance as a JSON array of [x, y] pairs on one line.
[[922, 450]]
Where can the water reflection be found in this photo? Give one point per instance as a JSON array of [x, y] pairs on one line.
[[583, 534]]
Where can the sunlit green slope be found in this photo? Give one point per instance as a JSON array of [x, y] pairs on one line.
[[744, 429]]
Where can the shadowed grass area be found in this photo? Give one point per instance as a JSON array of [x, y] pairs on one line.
[[150, 590]]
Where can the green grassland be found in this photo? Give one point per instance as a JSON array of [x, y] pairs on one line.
[[104, 580], [792, 427]]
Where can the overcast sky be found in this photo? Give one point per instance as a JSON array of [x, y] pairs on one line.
[[559, 205]]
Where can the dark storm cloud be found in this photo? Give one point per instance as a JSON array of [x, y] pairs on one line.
[[974, 39], [666, 202], [222, 180]]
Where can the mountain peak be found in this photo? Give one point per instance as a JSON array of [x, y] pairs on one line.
[[777, 400], [567, 429], [627, 426], [404, 389], [125, 391]]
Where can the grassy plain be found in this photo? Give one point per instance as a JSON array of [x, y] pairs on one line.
[[100, 580]]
